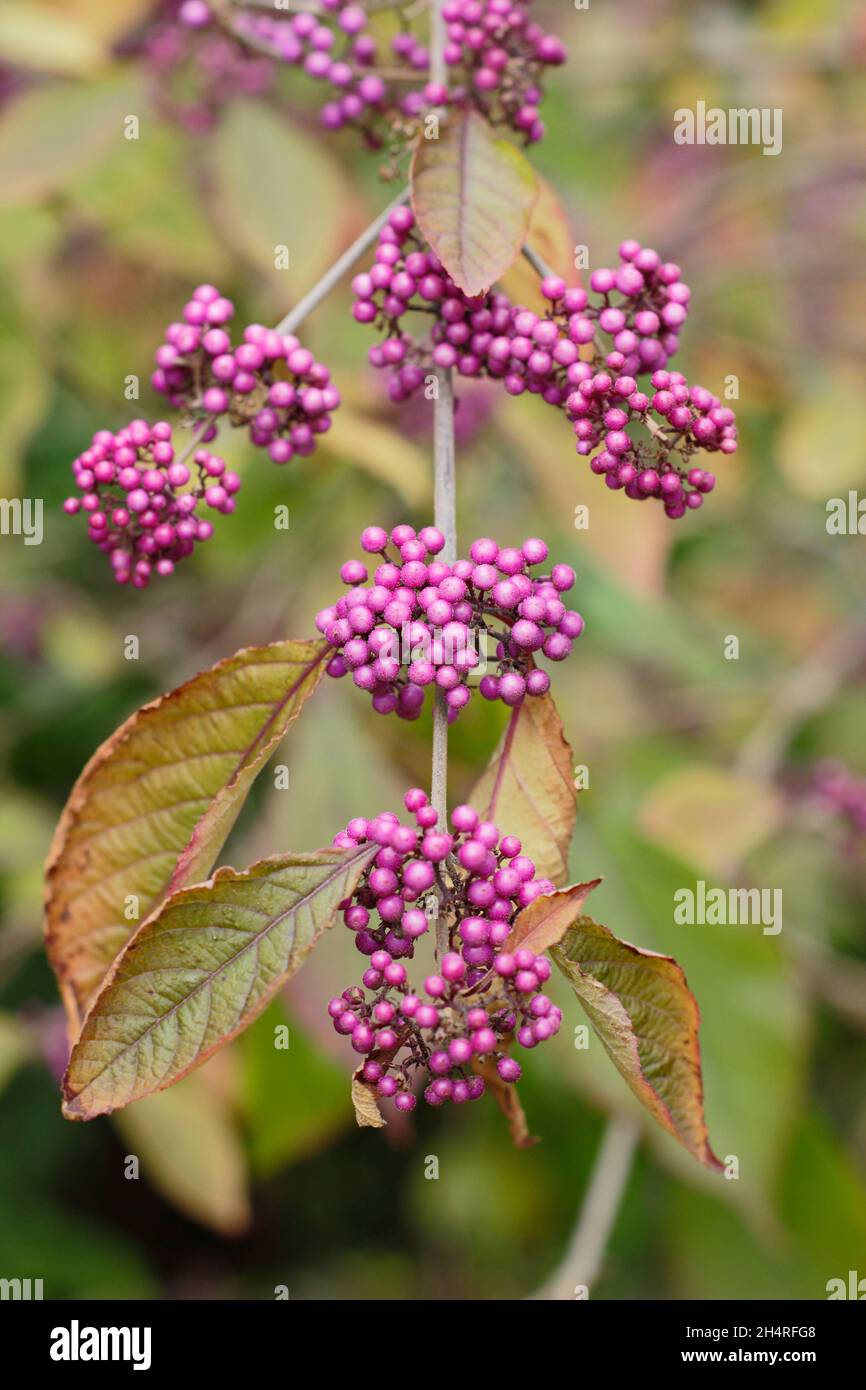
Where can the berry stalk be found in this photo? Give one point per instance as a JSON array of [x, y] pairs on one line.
[[584, 1255], [445, 518], [538, 263], [332, 277], [444, 502]]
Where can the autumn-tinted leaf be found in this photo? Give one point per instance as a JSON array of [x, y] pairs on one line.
[[199, 971], [154, 805], [546, 920], [527, 788], [647, 1019], [472, 194]]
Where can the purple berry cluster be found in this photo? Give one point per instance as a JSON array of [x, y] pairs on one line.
[[495, 54], [484, 995], [498, 55], [269, 382], [471, 335], [424, 623], [641, 307], [131, 481], [197, 67], [138, 513], [349, 61], [561, 355]]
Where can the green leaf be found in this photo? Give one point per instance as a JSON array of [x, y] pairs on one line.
[[822, 1201], [190, 1151], [76, 1256], [527, 788], [154, 805], [52, 133], [293, 1098], [24, 390], [473, 196], [814, 1234], [300, 202], [15, 1047], [199, 971], [642, 1010]]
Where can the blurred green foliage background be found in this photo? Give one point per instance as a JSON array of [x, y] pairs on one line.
[[252, 1171]]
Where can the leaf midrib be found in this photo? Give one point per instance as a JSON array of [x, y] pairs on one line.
[[253, 942]]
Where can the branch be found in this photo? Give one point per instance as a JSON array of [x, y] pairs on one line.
[[295, 317], [444, 501], [539, 265], [444, 516], [584, 1255], [444, 473], [438, 36]]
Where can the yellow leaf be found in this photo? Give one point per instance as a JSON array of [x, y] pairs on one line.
[[550, 235], [820, 443], [380, 451], [104, 19], [189, 1150], [710, 816], [34, 35]]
